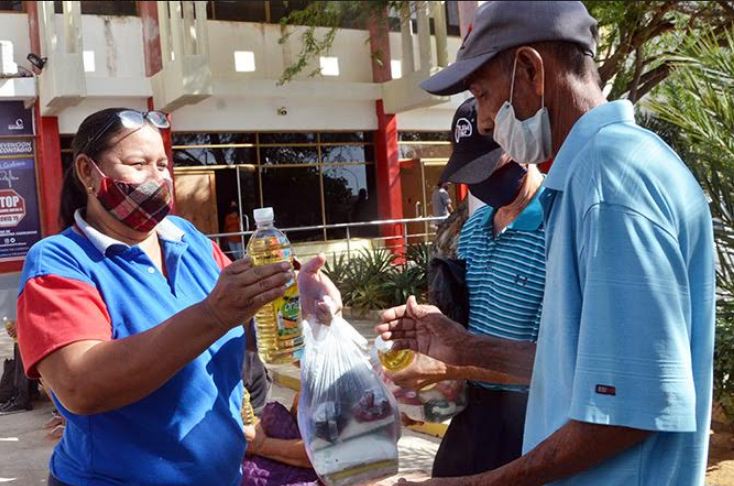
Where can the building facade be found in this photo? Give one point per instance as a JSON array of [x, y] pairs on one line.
[[359, 141]]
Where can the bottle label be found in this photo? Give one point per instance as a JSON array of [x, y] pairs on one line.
[[288, 312]]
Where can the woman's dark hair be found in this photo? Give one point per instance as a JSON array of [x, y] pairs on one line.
[[73, 193]]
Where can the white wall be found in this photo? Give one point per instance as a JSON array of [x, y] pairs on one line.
[[14, 28], [71, 118], [436, 117], [119, 78], [396, 50], [117, 43], [271, 58], [255, 114], [255, 105]]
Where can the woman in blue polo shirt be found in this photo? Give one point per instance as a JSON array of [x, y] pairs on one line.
[[133, 319]]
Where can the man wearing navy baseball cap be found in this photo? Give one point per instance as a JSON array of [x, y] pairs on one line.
[[621, 381], [507, 233]]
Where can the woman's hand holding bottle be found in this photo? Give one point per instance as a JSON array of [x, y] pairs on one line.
[[243, 288]]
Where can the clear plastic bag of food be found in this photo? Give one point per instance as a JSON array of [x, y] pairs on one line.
[[348, 419]]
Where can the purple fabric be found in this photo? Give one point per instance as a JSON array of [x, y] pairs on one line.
[[278, 423]]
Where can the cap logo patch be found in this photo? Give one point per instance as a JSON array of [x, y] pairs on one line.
[[463, 129]]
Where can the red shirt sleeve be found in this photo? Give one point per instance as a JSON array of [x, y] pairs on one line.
[[54, 312], [219, 256]]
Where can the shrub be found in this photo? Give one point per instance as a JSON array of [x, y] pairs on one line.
[[377, 279]]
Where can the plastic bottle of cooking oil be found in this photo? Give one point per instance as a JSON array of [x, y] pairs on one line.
[[393, 360], [247, 412], [436, 402], [278, 324]]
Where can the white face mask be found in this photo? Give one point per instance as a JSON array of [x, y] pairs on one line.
[[526, 141]]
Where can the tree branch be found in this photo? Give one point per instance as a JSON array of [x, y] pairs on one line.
[[652, 78], [635, 38], [636, 78]]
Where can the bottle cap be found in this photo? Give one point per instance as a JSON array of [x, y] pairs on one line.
[[263, 215], [383, 346]]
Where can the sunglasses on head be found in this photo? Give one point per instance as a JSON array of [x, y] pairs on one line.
[[132, 120]]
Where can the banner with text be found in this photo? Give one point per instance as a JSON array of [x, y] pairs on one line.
[[20, 225]]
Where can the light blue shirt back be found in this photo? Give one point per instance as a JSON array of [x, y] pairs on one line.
[[627, 332]]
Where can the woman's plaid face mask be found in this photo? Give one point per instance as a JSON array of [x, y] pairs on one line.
[[139, 206]]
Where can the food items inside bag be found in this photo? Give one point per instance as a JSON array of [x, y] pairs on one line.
[[348, 419], [436, 403]]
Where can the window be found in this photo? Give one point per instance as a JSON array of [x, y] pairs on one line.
[[66, 152], [11, 6], [452, 18], [281, 8], [244, 61], [287, 138], [295, 196], [247, 11], [350, 190], [89, 62], [309, 178], [428, 146], [396, 68], [100, 7], [329, 66], [347, 154], [196, 149], [286, 155]]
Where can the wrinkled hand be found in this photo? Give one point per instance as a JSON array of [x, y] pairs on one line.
[[423, 371], [255, 436], [242, 290], [422, 328], [314, 286]]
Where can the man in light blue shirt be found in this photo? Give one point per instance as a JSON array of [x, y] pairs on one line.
[[621, 385]]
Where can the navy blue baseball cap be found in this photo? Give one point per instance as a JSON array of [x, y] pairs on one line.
[[474, 156], [500, 25]]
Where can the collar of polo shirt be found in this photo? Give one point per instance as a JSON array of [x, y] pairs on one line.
[[620, 111], [166, 231], [529, 219]]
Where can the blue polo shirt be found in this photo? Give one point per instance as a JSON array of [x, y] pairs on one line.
[[81, 285], [505, 275], [627, 331]]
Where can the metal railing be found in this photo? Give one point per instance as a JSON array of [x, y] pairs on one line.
[[406, 237]]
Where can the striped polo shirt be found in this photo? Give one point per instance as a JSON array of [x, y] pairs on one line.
[[505, 275]]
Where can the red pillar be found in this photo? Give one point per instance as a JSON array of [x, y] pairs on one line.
[[49, 171], [390, 198], [148, 11]]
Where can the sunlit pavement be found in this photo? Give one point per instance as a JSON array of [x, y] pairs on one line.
[[25, 447]]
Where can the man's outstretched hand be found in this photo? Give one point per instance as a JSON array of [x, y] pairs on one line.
[[314, 286], [424, 329]]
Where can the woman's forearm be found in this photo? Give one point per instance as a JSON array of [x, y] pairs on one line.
[[287, 451], [97, 376]]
